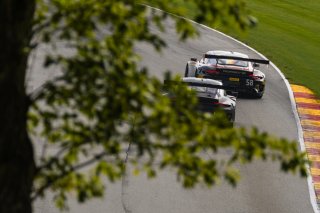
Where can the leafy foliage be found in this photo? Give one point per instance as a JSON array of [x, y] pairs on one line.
[[102, 102]]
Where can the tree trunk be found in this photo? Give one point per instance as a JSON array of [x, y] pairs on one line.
[[16, 152]]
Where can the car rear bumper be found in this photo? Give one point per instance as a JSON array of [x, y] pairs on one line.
[[241, 85]]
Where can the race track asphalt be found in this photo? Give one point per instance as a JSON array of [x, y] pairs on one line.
[[262, 188]]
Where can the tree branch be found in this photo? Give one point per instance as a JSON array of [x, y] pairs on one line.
[[52, 160], [65, 173], [34, 95]]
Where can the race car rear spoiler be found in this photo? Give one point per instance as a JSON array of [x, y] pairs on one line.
[[258, 61]]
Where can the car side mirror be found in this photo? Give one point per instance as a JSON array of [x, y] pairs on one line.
[[255, 65], [194, 59]]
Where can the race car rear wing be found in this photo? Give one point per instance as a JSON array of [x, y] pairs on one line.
[[258, 61]]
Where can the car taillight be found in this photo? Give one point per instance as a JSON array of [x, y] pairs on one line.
[[251, 75], [221, 104], [212, 71]]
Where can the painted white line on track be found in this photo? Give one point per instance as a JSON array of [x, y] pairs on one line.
[[312, 192]]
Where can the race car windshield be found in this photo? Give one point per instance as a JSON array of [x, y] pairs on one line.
[[232, 62], [204, 89]]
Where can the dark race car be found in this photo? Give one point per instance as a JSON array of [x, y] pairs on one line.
[[233, 69], [211, 95]]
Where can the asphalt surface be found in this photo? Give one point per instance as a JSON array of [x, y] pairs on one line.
[[262, 188]]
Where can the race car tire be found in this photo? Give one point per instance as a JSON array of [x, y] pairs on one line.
[[258, 95], [186, 72], [233, 117], [196, 73]]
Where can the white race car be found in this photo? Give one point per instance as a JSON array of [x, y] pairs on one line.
[[233, 69], [212, 95]]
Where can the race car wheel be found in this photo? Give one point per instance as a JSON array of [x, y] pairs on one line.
[[233, 116], [186, 72], [196, 74], [259, 95]]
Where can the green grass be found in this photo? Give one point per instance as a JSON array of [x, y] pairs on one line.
[[288, 33]]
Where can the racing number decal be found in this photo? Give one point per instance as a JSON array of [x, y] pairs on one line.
[[249, 82]]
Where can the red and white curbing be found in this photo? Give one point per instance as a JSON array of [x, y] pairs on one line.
[[308, 107]]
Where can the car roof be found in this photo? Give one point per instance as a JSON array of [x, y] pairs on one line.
[[201, 80], [227, 53]]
